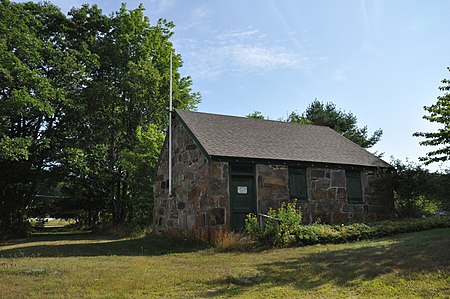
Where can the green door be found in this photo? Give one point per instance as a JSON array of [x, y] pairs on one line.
[[243, 200]]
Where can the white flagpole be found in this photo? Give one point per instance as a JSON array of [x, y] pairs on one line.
[[170, 128]]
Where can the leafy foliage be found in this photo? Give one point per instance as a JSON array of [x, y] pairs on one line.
[[327, 114], [438, 113], [280, 233], [318, 113], [279, 227], [417, 191], [323, 233], [256, 114], [84, 101], [37, 75]]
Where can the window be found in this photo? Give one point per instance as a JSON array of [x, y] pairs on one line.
[[242, 169], [354, 189], [297, 184]]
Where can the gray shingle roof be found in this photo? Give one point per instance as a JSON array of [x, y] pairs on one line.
[[240, 137]]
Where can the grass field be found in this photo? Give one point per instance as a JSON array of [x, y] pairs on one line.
[[82, 265]]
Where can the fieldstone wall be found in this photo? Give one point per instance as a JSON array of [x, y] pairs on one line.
[[378, 196], [327, 197], [200, 202], [327, 194], [272, 186]]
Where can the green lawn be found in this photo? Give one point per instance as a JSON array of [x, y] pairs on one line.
[[83, 265]]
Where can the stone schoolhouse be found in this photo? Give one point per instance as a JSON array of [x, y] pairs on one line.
[[225, 167]]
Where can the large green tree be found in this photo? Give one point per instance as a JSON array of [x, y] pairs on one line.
[[38, 73], [327, 114], [83, 107], [438, 113], [318, 113], [124, 107]]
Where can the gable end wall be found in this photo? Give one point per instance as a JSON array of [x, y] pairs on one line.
[[199, 203]]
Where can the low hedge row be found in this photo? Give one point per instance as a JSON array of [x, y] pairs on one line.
[[283, 227], [324, 233]]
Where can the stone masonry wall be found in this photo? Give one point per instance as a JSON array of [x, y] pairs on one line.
[[378, 195], [327, 197], [327, 194], [199, 203], [272, 186]]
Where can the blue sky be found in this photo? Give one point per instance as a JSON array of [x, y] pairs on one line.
[[381, 60]]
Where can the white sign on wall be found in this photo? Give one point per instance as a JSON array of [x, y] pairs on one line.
[[242, 189]]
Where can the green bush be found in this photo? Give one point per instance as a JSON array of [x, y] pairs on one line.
[[280, 227], [415, 207], [308, 234], [252, 227], [417, 191], [284, 228]]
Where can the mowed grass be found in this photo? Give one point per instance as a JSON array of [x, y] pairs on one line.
[[83, 265]]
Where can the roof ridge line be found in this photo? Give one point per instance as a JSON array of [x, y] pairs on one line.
[[252, 119]]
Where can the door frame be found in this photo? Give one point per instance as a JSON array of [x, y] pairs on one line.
[[240, 170]]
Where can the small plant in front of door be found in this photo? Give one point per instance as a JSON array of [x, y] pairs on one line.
[[278, 227]]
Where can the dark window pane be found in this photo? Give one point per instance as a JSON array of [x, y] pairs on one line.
[[354, 189], [297, 184], [236, 168]]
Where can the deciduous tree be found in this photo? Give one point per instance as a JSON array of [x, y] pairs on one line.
[[38, 73], [342, 122], [438, 113], [256, 114], [83, 106]]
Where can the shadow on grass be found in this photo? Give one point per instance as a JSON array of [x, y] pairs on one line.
[[406, 256], [84, 243], [56, 234]]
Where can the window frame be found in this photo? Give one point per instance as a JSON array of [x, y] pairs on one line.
[[298, 171], [352, 177]]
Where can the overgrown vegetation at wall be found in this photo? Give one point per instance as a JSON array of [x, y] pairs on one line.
[[283, 228], [278, 228], [419, 192]]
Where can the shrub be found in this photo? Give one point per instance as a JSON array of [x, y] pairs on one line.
[[279, 228], [284, 228], [355, 232], [19, 230], [252, 226], [418, 192], [308, 235], [418, 207]]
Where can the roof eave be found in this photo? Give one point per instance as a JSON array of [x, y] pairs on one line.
[[192, 135], [293, 163]]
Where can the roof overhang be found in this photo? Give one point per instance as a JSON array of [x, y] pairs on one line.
[[247, 160]]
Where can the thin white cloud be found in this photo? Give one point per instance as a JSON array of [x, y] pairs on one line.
[[260, 58], [371, 14], [196, 17], [211, 62], [199, 12], [238, 34], [240, 51], [339, 75], [288, 30], [159, 6]]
